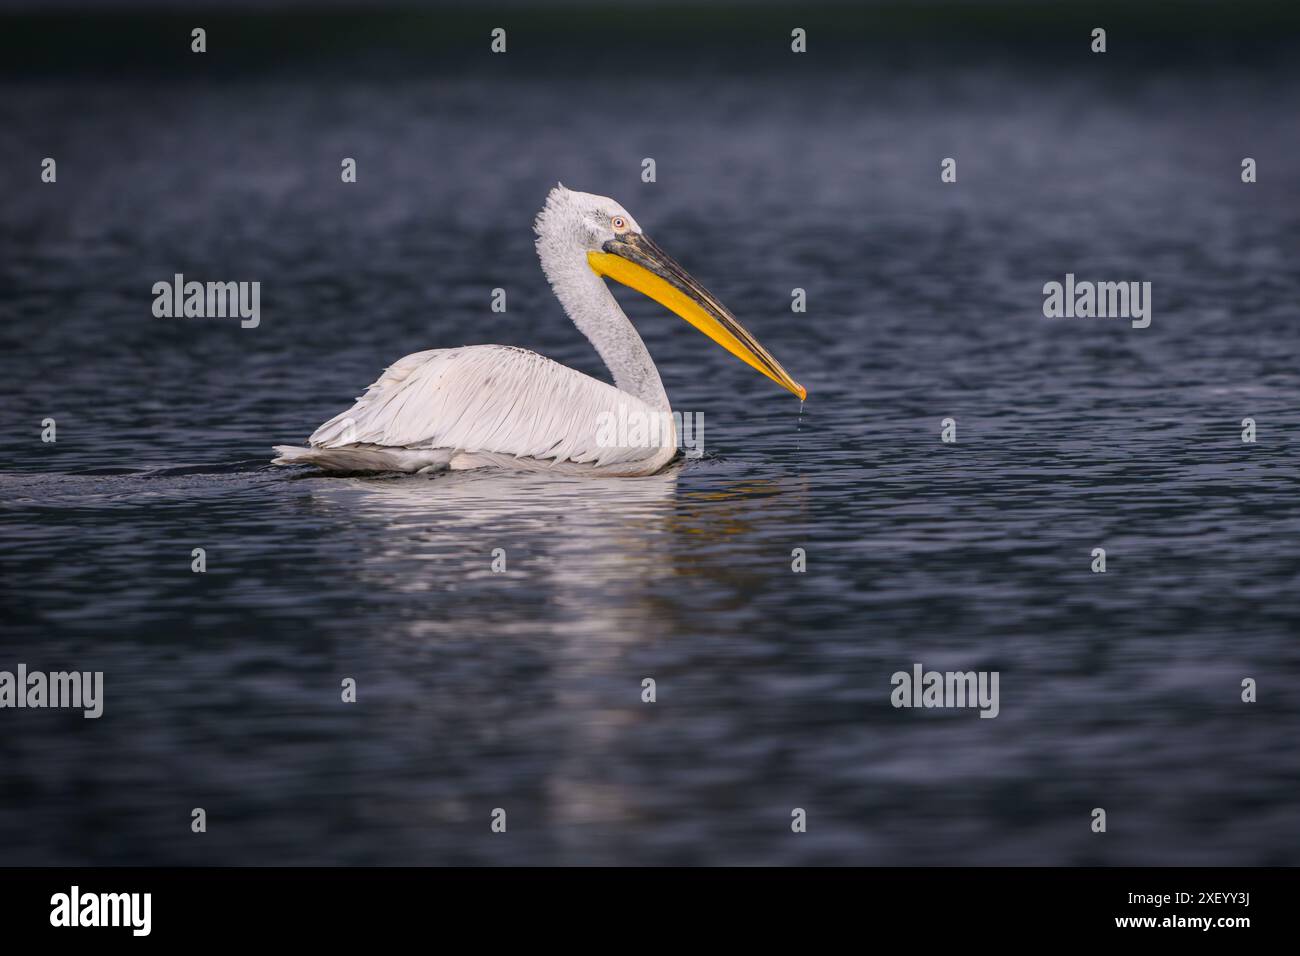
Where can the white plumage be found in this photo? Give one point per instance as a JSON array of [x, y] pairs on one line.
[[492, 405], [487, 405]]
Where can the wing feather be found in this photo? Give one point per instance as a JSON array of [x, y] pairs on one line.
[[497, 399]]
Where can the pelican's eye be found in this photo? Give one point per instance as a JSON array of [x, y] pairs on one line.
[[619, 223]]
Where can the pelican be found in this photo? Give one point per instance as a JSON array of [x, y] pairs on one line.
[[484, 406]]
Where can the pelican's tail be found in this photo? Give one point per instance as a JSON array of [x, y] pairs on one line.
[[365, 458]]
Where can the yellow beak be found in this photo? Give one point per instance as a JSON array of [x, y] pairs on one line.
[[639, 263]]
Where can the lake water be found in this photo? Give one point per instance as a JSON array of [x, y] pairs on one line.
[[522, 690]]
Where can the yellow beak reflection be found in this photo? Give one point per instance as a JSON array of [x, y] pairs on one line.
[[639, 263]]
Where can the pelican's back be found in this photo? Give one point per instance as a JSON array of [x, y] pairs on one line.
[[491, 405]]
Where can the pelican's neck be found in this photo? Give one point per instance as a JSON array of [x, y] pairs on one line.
[[597, 315]]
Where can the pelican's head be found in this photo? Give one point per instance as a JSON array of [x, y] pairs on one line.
[[616, 247]]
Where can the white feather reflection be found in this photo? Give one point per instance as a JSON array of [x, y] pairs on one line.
[[598, 572]]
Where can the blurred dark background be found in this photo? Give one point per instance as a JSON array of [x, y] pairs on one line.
[[69, 37]]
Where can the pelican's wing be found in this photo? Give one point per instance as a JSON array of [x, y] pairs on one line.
[[496, 399]]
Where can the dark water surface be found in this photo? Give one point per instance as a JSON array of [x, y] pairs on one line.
[[522, 690]]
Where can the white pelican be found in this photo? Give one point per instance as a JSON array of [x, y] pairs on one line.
[[497, 405]]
